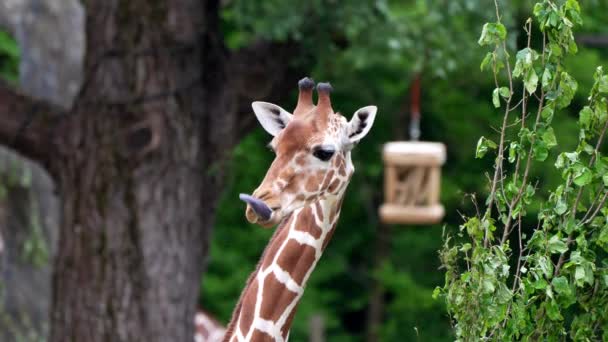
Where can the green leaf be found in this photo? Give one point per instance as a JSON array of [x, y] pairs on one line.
[[561, 286], [603, 84], [540, 150], [546, 266], [540, 284], [483, 145], [486, 60], [531, 81], [547, 78], [465, 247], [601, 111], [436, 292], [549, 138], [585, 116], [503, 294], [504, 92], [8, 46], [605, 179], [583, 176], [488, 286], [523, 65], [553, 311], [567, 89], [579, 275], [513, 149], [602, 239], [547, 113], [495, 98], [492, 33], [557, 245], [560, 207]]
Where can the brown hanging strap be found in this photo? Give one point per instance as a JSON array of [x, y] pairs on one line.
[[415, 108]]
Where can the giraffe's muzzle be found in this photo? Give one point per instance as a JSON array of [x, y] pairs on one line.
[[261, 210]]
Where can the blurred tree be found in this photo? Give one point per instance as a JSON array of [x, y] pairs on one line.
[[138, 162]]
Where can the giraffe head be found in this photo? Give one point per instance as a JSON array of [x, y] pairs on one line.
[[312, 148]]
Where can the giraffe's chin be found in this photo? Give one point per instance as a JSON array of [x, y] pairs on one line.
[[255, 219]]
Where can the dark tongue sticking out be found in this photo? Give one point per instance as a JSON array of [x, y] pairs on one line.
[[260, 208]]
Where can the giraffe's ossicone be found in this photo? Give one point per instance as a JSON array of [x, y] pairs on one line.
[[302, 192]]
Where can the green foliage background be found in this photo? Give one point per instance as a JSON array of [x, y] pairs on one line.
[[369, 52], [9, 57]]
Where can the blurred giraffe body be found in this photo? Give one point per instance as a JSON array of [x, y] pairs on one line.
[[207, 329], [302, 192]]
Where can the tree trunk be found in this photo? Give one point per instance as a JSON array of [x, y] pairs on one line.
[[132, 238], [133, 172], [138, 159]]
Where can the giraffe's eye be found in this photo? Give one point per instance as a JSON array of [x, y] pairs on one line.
[[323, 154]]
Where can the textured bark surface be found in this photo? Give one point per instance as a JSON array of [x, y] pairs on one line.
[[137, 162], [130, 170], [50, 34]]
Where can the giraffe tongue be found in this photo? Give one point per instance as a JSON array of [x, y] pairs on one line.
[[260, 208]]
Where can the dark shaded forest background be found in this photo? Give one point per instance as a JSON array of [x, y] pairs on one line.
[[370, 53]]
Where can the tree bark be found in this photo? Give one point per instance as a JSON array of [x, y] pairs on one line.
[[138, 163], [130, 167], [26, 125]]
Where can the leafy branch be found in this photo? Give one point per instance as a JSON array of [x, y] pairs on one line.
[[559, 271]]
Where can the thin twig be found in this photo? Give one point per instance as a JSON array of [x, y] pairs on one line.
[[599, 206], [600, 139], [500, 157]]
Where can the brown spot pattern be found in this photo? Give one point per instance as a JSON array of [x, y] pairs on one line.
[[275, 244], [319, 211], [325, 183], [334, 186], [312, 184], [307, 223], [297, 259], [287, 325], [260, 336], [342, 170], [276, 298], [301, 159], [287, 174], [328, 178], [248, 307]]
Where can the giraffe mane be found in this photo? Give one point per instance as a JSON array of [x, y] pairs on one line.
[[237, 308]]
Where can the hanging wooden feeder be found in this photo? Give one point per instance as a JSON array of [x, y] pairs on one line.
[[412, 175]]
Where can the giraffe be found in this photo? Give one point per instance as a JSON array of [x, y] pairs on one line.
[[302, 192], [207, 328]]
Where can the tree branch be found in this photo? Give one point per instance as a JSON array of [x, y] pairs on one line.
[[26, 124], [263, 71], [592, 40]]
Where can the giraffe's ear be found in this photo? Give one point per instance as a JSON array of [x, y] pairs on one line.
[[361, 123], [272, 117]]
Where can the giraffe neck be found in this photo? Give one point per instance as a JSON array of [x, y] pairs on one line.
[[207, 329], [268, 302]]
